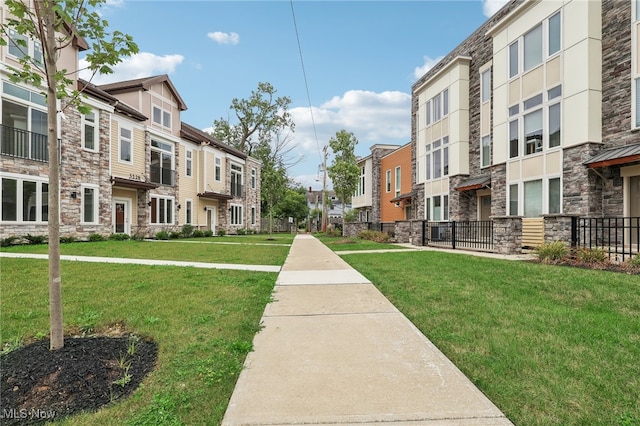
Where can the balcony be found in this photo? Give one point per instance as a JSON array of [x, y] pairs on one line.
[[163, 176], [236, 189], [20, 143]]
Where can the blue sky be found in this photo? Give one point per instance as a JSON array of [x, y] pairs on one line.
[[360, 58]]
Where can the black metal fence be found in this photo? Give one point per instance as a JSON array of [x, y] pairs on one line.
[[475, 235], [387, 227], [618, 236], [23, 144]]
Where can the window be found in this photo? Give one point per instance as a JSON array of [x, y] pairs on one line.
[[24, 200], [25, 124], [217, 169], [427, 171], [445, 156], [126, 144], [188, 163], [253, 178], [427, 113], [253, 215], [188, 213], [388, 181], [398, 181], [236, 214], [554, 195], [437, 159], [554, 125], [90, 131], [161, 117], [540, 123], [513, 60], [514, 140], [513, 200], [533, 198], [161, 168], [236, 180], [485, 88], [360, 188], [445, 102], [440, 205], [554, 34], [533, 132], [486, 151], [89, 204], [532, 48], [436, 108], [162, 210]]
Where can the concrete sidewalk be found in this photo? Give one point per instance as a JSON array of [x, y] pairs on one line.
[[334, 350]]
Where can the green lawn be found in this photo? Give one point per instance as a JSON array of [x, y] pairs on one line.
[[203, 320], [346, 244], [254, 250], [549, 345]]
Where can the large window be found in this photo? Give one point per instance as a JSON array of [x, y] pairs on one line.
[[20, 47], [438, 208], [539, 43], [90, 210], [161, 117], [162, 210], [538, 197], [538, 133], [532, 48], [236, 214], [90, 131], [437, 159], [236, 180], [24, 124], [162, 163], [360, 188], [126, 145], [24, 200], [437, 107]]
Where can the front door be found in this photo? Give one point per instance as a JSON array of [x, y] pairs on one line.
[[122, 223], [485, 207], [211, 219]]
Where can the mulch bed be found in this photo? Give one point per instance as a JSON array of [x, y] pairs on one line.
[[37, 384]]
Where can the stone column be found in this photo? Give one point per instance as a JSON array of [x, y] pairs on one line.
[[557, 227], [507, 234]]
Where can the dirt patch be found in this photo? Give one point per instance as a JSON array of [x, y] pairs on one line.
[[37, 384]]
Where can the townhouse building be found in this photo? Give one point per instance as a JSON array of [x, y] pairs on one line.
[[128, 166], [397, 196], [534, 116]]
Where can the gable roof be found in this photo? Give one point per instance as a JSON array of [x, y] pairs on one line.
[[145, 84], [119, 106], [196, 135]]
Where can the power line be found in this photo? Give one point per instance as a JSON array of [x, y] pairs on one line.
[[306, 84]]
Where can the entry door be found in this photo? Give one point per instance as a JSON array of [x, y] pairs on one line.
[[485, 207], [634, 204], [211, 219], [122, 222]]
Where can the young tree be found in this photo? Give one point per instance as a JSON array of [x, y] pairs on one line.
[[59, 25], [344, 171], [294, 204]]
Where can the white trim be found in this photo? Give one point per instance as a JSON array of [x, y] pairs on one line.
[[127, 213]]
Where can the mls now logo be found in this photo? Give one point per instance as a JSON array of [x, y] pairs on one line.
[[24, 413]]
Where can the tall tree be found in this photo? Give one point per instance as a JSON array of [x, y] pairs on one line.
[[294, 204], [344, 171], [57, 26]]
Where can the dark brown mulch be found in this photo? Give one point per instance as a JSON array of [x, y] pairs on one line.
[[622, 268], [37, 384]]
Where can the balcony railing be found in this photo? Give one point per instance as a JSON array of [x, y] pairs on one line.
[[236, 189], [23, 144], [162, 176]]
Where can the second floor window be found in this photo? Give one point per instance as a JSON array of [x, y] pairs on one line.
[[24, 128], [236, 180], [388, 181], [218, 169], [485, 153], [542, 41], [253, 178], [188, 163], [162, 163], [90, 131], [437, 159], [20, 47], [398, 181], [360, 187], [530, 132], [126, 145], [161, 117]]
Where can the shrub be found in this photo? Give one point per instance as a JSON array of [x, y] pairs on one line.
[[592, 255], [175, 234], [119, 237], [208, 233], [187, 231], [96, 237], [69, 239], [198, 234], [138, 236], [634, 261], [162, 235], [35, 239], [221, 232], [242, 231], [377, 236], [551, 252], [6, 242]]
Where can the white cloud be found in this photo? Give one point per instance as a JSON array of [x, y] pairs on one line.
[[224, 38], [489, 7], [142, 64], [428, 64]]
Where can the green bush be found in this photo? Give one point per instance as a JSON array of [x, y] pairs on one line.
[[162, 235], [35, 239], [377, 236], [551, 252], [187, 231], [221, 232], [242, 231], [197, 234], [634, 261], [9, 241], [69, 239], [175, 235], [208, 233], [592, 255], [119, 237], [96, 237]]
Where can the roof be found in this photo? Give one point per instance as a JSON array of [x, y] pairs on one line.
[[94, 91], [402, 197], [214, 195], [196, 135], [615, 156], [474, 183], [144, 83], [130, 183]]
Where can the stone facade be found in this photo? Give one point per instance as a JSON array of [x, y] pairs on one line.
[[507, 234], [377, 176]]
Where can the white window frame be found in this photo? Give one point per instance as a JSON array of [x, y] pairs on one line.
[[41, 197], [443, 199], [485, 157], [164, 119], [485, 86], [253, 178], [388, 180], [188, 163], [169, 206], [96, 204], [427, 113], [517, 47], [253, 215], [398, 178], [121, 139], [33, 47], [236, 215], [545, 197], [94, 125], [217, 172], [188, 211]]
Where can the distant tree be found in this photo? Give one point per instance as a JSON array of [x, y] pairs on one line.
[[294, 204], [344, 171], [56, 25]]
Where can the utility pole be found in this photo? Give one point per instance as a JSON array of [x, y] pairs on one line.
[[324, 189]]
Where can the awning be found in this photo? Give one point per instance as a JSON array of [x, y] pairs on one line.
[[475, 183], [615, 156], [214, 195], [402, 197], [131, 183]]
